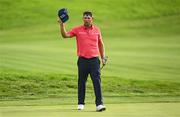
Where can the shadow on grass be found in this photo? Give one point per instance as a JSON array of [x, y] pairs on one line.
[[75, 110]]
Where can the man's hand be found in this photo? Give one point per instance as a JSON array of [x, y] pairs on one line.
[[104, 61], [59, 21]]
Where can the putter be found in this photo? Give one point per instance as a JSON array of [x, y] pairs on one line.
[[106, 58]]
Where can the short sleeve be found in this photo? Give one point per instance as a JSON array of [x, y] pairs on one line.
[[73, 32]]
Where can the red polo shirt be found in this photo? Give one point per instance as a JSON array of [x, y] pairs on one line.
[[87, 40]]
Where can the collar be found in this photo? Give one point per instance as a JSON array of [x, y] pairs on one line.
[[92, 27]]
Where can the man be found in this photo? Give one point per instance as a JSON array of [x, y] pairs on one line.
[[89, 46]]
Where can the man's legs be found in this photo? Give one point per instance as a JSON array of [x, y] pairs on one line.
[[82, 78], [95, 76]]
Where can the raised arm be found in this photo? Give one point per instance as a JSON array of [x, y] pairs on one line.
[[64, 33]]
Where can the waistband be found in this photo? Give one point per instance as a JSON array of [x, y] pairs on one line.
[[80, 57]]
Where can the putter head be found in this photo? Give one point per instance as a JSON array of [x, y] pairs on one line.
[[63, 15]]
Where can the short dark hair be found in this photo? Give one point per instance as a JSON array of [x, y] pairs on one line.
[[87, 13]]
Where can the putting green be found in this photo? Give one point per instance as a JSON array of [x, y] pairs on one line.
[[113, 110]]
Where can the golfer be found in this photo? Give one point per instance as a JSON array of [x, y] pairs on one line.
[[89, 47]]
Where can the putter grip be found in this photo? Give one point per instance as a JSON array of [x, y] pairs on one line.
[[106, 58]]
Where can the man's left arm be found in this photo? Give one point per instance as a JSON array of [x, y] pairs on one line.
[[101, 49]]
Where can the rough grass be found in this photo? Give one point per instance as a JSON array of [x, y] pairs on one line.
[[19, 86], [21, 13]]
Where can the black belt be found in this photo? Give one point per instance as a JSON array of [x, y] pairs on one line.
[[88, 58]]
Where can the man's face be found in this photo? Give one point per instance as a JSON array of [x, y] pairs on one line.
[[87, 20]]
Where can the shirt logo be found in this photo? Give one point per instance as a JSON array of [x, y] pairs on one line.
[[95, 33], [82, 33]]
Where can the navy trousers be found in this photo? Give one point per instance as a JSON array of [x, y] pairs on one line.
[[85, 67]]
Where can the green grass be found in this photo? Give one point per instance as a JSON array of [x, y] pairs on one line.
[[141, 39], [71, 100], [64, 87], [135, 58], [113, 110], [22, 13]]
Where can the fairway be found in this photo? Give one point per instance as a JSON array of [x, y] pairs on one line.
[[113, 110]]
